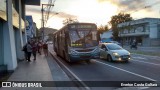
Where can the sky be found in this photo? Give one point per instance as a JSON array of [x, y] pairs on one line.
[[94, 11]]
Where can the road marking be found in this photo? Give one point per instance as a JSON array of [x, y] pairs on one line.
[[138, 58], [126, 71], [156, 57], [132, 88], [147, 62], [86, 87]]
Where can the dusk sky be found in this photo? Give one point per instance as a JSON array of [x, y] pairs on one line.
[[94, 11]]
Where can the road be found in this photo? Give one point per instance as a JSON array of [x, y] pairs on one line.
[[139, 68]]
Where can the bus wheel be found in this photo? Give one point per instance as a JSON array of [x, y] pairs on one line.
[[64, 55]]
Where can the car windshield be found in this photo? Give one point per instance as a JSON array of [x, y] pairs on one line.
[[114, 47], [83, 38]]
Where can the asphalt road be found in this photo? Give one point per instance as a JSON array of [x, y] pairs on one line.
[[139, 68]]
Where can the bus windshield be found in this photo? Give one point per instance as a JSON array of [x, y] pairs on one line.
[[83, 38]]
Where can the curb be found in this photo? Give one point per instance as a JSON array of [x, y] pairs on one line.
[[77, 82], [146, 55]]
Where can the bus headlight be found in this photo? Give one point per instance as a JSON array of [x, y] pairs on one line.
[[72, 52]]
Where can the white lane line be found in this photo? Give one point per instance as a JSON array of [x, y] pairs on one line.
[[132, 88], [126, 71], [86, 87], [138, 58], [146, 62], [146, 55]]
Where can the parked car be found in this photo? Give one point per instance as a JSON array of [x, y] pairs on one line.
[[114, 42], [113, 52]]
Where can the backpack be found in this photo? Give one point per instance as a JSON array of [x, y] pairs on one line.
[[24, 48]]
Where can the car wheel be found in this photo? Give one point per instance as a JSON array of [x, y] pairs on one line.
[[109, 58]]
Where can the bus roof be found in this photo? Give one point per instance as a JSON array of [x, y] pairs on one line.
[[82, 23]]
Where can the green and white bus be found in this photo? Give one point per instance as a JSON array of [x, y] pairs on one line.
[[77, 41]]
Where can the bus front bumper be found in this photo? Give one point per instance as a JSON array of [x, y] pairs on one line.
[[84, 56]]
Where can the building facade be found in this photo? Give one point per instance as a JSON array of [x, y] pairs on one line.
[[34, 29], [145, 31], [47, 33], [12, 32], [30, 28]]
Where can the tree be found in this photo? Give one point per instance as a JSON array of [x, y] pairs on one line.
[[102, 29], [69, 20], [117, 19]]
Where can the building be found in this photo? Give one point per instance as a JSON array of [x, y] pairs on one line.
[[30, 28], [145, 31], [34, 29], [47, 32], [106, 36], [12, 32]]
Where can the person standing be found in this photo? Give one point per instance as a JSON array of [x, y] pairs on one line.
[[25, 51], [39, 45], [29, 51], [45, 49], [34, 49]]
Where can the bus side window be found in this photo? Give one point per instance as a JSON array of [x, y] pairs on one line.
[[94, 36], [62, 36]]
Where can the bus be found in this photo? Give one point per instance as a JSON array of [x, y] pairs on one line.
[[77, 41]]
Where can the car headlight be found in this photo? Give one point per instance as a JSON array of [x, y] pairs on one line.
[[115, 54], [129, 53]]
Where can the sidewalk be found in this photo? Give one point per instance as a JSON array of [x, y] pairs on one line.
[[43, 69], [32, 71]]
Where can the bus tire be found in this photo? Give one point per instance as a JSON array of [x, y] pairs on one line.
[[65, 57]]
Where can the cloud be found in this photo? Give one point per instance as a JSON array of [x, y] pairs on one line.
[[65, 15], [128, 5], [33, 9], [60, 14]]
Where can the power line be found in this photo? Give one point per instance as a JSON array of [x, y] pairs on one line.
[[49, 8]]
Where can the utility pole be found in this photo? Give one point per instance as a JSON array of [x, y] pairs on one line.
[[42, 10]]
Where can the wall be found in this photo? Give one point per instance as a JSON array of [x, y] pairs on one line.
[[158, 34], [1, 43], [146, 41], [153, 30], [10, 58]]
